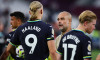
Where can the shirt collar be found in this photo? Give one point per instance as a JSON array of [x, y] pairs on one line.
[[34, 21], [79, 30]]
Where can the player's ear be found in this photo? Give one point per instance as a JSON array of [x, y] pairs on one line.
[[41, 11], [85, 23], [30, 12], [19, 21]]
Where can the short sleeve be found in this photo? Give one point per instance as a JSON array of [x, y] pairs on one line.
[[7, 38], [15, 38], [86, 48], [50, 33]]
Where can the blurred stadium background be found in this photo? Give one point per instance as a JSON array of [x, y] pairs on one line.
[[51, 10]]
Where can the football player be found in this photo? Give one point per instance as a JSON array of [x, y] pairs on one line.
[[76, 45], [35, 36], [17, 19]]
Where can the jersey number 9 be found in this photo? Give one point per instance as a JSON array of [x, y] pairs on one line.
[[32, 45]]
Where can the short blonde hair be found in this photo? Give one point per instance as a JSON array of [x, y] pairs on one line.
[[34, 6], [87, 15]]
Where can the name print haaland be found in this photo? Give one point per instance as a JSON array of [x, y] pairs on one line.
[[31, 28]]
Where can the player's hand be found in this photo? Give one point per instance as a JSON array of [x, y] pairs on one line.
[[98, 57]]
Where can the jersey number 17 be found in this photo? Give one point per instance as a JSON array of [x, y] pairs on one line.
[[67, 46]]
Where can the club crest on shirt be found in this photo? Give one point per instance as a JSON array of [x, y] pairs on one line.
[[89, 47]]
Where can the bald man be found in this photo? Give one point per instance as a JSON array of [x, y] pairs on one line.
[[64, 23]]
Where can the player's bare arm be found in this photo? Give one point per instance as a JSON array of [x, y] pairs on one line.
[[6, 52], [52, 50], [98, 57]]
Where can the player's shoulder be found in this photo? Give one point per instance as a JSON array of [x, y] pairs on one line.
[[76, 32], [80, 34], [11, 32], [87, 37], [45, 24], [69, 33]]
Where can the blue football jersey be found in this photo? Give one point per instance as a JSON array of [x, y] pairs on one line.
[[8, 37], [75, 45], [33, 36]]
